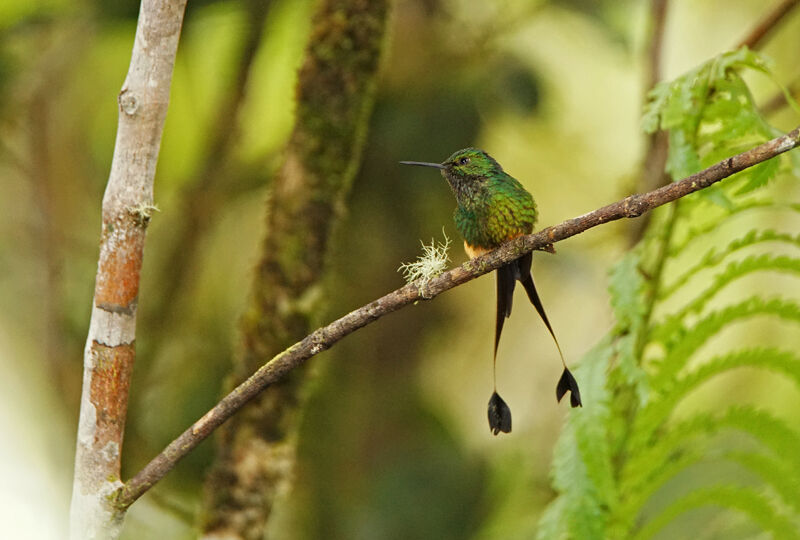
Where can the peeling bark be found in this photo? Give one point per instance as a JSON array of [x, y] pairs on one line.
[[110, 347]]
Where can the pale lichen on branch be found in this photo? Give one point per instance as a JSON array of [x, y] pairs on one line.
[[142, 212], [429, 265]]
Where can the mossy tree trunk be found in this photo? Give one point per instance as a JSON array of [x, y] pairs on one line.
[[334, 98]]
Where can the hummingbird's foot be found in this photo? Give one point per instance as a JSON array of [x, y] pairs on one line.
[[549, 248], [568, 383], [499, 415]]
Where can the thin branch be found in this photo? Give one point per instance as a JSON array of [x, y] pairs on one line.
[[653, 174], [323, 338], [756, 36], [110, 350], [658, 16], [778, 101]]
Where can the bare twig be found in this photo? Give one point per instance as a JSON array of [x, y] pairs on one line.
[[778, 101], [658, 16], [653, 174], [323, 338], [128, 201], [757, 35]]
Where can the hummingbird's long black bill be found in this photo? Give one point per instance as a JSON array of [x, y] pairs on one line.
[[423, 164]]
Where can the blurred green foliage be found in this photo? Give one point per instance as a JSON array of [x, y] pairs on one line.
[[394, 442], [630, 444]]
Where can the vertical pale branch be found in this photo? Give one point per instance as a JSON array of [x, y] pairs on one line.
[[128, 201], [334, 97]]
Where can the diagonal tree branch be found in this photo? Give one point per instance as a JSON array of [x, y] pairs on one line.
[[323, 338], [762, 30]]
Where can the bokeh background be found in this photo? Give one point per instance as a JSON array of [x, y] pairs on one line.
[[394, 441]]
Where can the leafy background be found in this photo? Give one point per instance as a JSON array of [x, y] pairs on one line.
[[686, 345]]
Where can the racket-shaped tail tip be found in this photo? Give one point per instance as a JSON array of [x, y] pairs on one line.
[[499, 415], [567, 383]]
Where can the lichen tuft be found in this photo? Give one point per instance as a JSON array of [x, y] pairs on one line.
[[430, 264]]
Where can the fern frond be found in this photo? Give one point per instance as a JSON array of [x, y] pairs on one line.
[[627, 290], [714, 256], [652, 463], [736, 270], [582, 471], [743, 499], [781, 476], [707, 228], [776, 474], [655, 413], [612, 463], [682, 342], [646, 458], [758, 176], [552, 525]]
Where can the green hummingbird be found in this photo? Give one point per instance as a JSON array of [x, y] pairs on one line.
[[493, 208]]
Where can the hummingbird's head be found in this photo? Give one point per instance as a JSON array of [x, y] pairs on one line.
[[470, 162], [466, 170]]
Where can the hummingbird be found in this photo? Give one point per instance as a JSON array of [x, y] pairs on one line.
[[493, 208]]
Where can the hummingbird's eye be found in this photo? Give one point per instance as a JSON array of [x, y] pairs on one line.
[[463, 161]]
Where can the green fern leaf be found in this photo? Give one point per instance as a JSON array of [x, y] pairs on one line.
[[759, 175], [655, 414], [736, 270], [582, 471], [702, 231], [743, 499], [777, 474], [613, 461], [658, 460], [714, 256], [682, 342]]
